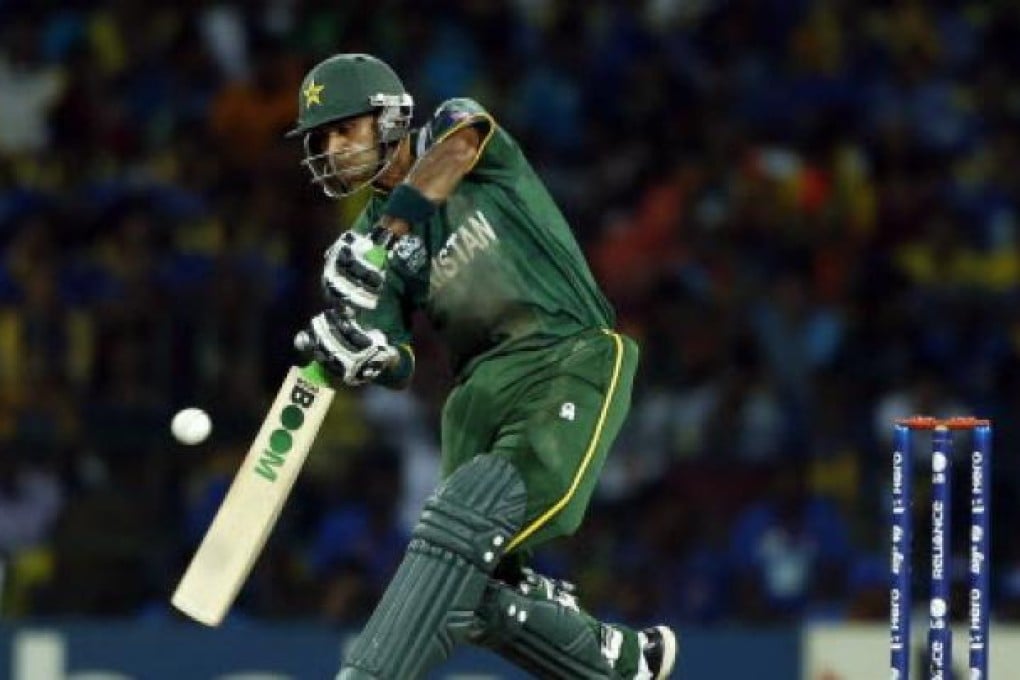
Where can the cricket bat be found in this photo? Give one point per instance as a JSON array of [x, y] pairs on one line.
[[253, 503]]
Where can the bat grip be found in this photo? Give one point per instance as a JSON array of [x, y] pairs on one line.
[[315, 373]]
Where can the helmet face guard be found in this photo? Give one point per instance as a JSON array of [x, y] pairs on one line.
[[342, 174]]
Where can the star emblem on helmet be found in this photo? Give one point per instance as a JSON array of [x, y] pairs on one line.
[[312, 92]]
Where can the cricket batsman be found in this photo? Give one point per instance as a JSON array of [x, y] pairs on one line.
[[460, 227]]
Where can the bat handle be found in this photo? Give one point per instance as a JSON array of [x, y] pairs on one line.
[[316, 373]]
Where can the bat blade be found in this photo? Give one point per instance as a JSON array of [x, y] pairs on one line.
[[254, 500]]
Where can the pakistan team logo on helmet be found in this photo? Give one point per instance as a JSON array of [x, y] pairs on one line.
[[345, 86]]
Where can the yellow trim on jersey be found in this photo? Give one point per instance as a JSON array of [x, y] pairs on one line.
[[474, 118], [586, 461]]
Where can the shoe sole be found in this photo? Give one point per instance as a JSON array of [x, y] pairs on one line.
[[668, 652]]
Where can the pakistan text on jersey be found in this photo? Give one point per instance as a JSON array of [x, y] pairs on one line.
[[473, 236]]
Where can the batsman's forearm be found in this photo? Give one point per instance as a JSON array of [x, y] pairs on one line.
[[438, 172]]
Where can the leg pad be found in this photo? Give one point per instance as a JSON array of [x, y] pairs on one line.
[[430, 604], [549, 637]]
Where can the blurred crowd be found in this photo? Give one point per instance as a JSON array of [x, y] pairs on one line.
[[804, 210]]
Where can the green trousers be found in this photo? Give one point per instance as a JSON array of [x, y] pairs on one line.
[[553, 413]]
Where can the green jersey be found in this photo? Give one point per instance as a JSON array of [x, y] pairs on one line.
[[497, 268]]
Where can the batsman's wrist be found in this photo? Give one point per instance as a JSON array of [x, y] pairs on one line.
[[407, 203]]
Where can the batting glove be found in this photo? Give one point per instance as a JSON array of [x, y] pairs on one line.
[[349, 352], [355, 268]]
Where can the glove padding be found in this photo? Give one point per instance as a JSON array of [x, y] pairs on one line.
[[350, 353], [355, 268]]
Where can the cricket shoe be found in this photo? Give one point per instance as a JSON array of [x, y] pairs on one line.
[[658, 653]]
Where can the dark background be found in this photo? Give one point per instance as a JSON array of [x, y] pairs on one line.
[[806, 212]]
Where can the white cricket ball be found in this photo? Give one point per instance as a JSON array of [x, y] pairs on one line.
[[191, 426]]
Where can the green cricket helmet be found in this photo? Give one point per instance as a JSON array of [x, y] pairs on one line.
[[344, 86]]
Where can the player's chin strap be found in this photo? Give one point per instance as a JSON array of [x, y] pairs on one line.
[[430, 604]]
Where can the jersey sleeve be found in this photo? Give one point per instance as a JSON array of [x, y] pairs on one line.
[[497, 154]]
